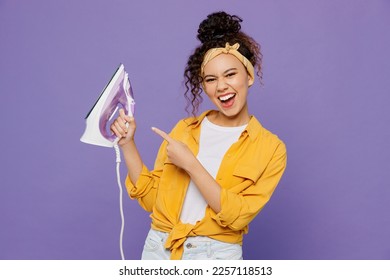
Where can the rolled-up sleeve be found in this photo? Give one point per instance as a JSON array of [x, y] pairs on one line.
[[145, 189], [240, 204]]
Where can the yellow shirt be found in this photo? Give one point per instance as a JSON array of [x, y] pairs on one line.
[[248, 175]]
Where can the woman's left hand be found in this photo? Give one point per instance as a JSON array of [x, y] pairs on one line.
[[178, 152]]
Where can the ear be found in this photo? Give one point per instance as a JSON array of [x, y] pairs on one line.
[[250, 80]]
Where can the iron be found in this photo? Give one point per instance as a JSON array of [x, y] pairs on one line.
[[117, 93]]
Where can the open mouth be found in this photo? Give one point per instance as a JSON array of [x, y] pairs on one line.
[[227, 98]]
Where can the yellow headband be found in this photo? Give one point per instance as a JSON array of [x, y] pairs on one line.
[[211, 53]]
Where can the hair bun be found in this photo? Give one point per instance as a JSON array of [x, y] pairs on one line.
[[218, 25]]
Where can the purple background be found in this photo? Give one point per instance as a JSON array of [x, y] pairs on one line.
[[326, 94]]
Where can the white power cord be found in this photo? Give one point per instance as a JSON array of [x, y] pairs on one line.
[[118, 161]]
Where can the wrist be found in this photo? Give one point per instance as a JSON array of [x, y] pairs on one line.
[[192, 166], [128, 144]]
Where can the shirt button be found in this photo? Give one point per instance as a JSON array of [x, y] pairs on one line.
[[189, 245]]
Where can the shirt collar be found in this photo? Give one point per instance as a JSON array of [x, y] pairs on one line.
[[253, 128], [196, 121]]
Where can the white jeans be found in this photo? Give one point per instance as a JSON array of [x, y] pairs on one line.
[[195, 248]]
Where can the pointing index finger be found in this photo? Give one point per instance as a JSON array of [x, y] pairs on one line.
[[162, 134]]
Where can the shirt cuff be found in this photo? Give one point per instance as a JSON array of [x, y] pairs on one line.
[[228, 214], [141, 186]]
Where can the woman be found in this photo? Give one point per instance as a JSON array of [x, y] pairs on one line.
[[215, 172]]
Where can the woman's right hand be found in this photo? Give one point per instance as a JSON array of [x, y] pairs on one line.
[[124, 128]]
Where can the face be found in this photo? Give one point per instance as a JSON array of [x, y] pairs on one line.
[[226, 83]]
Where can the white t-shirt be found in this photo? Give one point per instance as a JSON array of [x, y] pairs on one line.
[[214, 142]]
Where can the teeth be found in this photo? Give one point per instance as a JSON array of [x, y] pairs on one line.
[[226, 97]]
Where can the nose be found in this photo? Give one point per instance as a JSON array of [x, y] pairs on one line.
[[221, 85]]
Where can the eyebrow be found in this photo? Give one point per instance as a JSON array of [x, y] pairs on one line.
[[226, 71]]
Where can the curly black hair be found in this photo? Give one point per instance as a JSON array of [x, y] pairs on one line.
[[214, 32]]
